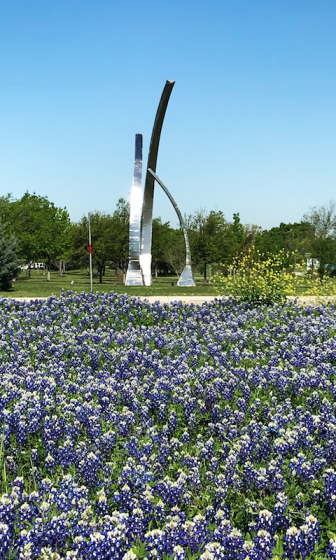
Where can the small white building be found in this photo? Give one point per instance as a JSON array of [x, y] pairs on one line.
[[312, 263], [36, 265]]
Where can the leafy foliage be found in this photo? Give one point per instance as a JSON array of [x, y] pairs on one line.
[[9, 262], [109, 239], [255, 279], [323, 220], [294, 240], [213, 239], [42, 229], [44, 233]]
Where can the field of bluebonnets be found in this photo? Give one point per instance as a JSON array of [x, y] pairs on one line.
[[133, 430]]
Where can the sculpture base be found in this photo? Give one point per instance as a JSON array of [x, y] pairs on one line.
[[186, 279], [134, 274], [145, 264]]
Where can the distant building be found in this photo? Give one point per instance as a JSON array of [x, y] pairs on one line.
[[33, 265], [312, 263]]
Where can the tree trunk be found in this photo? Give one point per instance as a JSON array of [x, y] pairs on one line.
[[60, 269], [205, 271], [100, 275]]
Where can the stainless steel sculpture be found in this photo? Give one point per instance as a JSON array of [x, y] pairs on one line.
[[139, 268], [134, 274], [186, 278], [147, 209]]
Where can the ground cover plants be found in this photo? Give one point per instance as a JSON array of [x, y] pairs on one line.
[[131, 430]]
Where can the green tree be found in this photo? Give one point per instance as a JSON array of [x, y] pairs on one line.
[[40, 227], [295, 239], [9, 262], [120, 234], [161, 239], [237, 229], [206, 232], [323, 219], [324, 250], [174, 251], [233, 241], [213, 239], [5, 208], [109, 235], [101, 230]]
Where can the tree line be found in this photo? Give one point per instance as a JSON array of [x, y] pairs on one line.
[[33, 229]]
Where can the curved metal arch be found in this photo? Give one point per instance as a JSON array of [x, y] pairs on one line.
[[186, 278], [147, 208]]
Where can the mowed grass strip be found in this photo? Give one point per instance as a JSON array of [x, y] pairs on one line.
[[38, 286]]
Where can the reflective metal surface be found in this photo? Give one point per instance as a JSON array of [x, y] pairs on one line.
[[186, 278], [147, 209], [141, 207], [134, 275]]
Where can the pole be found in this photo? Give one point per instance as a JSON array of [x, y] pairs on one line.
[[90, 251]]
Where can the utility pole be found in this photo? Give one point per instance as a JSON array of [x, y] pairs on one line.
[[90, 250]]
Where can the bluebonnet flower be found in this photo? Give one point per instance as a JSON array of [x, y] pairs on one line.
[[264, 544], [50, 462], [102, 506], [331, 550], [301, 542], [265, 522], [179, 553], [129, 555], [84, 380], [156, 542], [213, 551], [5, 538], [280, 518], [329, 479], [48, 554]]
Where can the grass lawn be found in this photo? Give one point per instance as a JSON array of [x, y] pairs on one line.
[[38, 286]]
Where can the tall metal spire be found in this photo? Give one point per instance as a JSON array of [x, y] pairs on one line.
[[134, 275]]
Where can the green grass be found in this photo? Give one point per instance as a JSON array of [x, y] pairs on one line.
[[38, 286]]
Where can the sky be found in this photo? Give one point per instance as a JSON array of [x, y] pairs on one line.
[[251, 122]]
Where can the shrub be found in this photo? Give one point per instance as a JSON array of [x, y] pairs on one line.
[[255, 280]]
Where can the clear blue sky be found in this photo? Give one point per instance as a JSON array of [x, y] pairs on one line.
[[251, 124]]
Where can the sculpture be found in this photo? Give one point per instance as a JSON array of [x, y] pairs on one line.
[[134, 274], [186, 278], [140, 259]]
